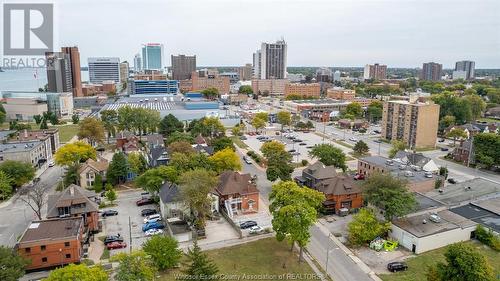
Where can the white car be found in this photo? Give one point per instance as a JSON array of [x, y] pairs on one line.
[[152, 218], [353, 139], [52, 164], [256, 229], [153, 231]]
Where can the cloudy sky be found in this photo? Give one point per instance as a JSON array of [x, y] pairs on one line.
[[399, 33]]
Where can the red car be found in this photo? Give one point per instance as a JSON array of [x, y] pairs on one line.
[[116, 245], [144, 201], [359, 177]]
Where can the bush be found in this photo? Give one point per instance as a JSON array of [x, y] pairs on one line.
[[304, 162], [487, 237]]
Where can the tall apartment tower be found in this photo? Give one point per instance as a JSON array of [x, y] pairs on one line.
[[124, 71], [271, 60], [183, 66], [375, 71], [76, 74], [256, 65], [431, 71], [245, 72], [137, 63], [468, 67], [152, 56], [104, 69], [414, 122], [59, 76]]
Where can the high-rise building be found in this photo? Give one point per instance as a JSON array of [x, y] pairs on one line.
[[256, 65], [104, 69], [375, 71], [413, 122], [468, 67], [59, 76], [152, 56], [124, 71], [137, 63], [270, 61], [183, 66], [336, 76], [324, 74], [431, 71], [245, 72]]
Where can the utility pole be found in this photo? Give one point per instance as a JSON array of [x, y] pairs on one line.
[[130, 234]]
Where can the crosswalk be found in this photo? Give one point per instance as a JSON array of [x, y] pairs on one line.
[[156, 105]]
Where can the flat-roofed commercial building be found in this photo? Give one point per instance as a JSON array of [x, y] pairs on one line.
[[32, 152], [24, 105], [269, 86], [138, 87], [303, 89], [103, 69], [183, 66], [414, 122], [338, 93], [207, 79]]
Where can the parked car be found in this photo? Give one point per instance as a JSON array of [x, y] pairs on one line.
[[116, 245], [243, 138], [297, 140], [377, 141], [148, 212], [452, 181], [52, 164], [302, 143], [397, 266], [441, 140], [152, 218], [295, 153], [153, 231], [256, 229], [428, 174], [152, 225], [377, 131], [145, 195], [353, 139], [112, 238], [359, 177], [247, 224], [247, 160], [144, 201], [444, 149], [292, 150], [108, 213]]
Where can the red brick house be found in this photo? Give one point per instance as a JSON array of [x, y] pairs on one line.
[[341, 191], [237, 193], [75, 201], [52, 242], [127, 142]]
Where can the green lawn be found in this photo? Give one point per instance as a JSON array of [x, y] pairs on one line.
[[66, 132], [417, 266], [265, 256], [239, 143], [343, 143]]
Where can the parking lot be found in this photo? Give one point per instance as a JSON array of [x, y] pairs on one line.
[[263, 218]]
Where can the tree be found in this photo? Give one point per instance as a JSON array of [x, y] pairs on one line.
[[487, 149], [170, 124], [75, 119], [12, 264], [109, 120], [258, 123], [329, 155], [278, 161], [134, 266], [452, 104], [111, 195], [37, 118], [126, 118], [294, 211], [137, 162], [245, 89], [91, 129], [180, 147], [272, 148], [35, 197], [225, 159], [98, 183], [361, 148], [374, 110], [179, 136], [214, 127], [456, 133], [5, 186], [222, 143], [163, 250], [236, 130], [78, 272], [389, 194], [210, 93], [353, 109], [463, 263], [74, 153], [194, 188], [397, 145], [71, 176], [284, 118], [477, 105], [19, 172], [365, 227], [446, 121], [118, 168], [262, 115], [199, 266], [153, 179]]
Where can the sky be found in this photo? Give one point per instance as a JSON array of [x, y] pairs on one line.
[[399, 33]]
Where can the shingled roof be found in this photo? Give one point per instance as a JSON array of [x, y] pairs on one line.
[[235, 183], [320, 171], [73, 195], [52, 229], [338, 185], [99, 166]]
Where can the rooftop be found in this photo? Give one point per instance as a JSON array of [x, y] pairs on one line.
[[52, 229], [74, 196], [397, 169], [425, 202], [19, 146], [474, 212], [467, 191], [235, 183]]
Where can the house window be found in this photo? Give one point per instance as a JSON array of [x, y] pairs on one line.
[[43, 247], [68, 256], [66, 244], [27, 250], [44, 259]]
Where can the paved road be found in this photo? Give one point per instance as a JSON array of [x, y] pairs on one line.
[[16, 216]]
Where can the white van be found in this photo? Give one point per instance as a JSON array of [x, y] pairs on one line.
[[152, 218]]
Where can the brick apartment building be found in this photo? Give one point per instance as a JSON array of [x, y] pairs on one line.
[[269, 86], [52, 242], [338, 93], [301, 89], [237, 192], [204, 80]]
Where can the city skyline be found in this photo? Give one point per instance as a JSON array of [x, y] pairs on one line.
[[353, 34]]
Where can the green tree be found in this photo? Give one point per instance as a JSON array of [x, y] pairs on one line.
[[71, 176], [137, 163], [12, 264], [98, 183], [37, 118], [153, 179], [109, 120], [170, 124], [262, 115], [75, 119], [397, 145], [5, 186], [210, 93], [477, 105], [91, 129], [214, 127], [278, 161], [294, 211], [111, 195], [163, 250], [78, 272], [222, 143], [180, 147], [463, 263], [74, 153], [258, 123], [194, 188], [19, 172], [446, 121], [374, 111], [225, 159], [329, 155], [179, 136], [126, 118], [353, 109], [365, 227], [456, 134], [118, 168], [487, 149], [198, 266], [452, 104], [245, 89], [134, 266], [389, 194], [361, 148], [284, 118]]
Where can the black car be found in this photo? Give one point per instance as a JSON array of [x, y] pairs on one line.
[[397, 266], [113, 238], [444, 149], [302, 143], [377, 141], [108, 213], [148, 212], [452, 181], [247, 224], [297, 140]]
